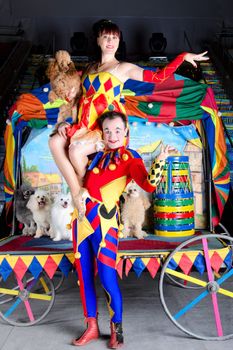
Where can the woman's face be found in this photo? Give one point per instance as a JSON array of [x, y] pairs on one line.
[[114, 132], [108, 42]]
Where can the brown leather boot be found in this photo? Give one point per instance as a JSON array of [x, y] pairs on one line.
[[116, 340], [91, 333]]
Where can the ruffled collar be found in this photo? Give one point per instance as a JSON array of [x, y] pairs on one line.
[[103, 159]]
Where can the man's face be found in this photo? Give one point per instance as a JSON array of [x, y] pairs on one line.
[[114, 132]]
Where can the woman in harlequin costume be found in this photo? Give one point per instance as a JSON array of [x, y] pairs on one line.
[[96, 236], [102, 84]]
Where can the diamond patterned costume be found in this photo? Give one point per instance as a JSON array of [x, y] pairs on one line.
[[101, 93]]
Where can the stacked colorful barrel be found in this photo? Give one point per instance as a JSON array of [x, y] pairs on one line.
[[173, 200]]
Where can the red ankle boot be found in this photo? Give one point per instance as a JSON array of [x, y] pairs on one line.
[[91, 333], [116, 340]]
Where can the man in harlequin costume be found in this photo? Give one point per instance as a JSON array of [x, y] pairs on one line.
[[96, 236]]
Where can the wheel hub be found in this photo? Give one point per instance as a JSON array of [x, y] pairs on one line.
[[23, 295], [212, 287]]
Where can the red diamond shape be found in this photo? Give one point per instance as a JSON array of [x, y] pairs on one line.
[[91, 91], [128, 266], [153, 266], [120, 267], [108, 85], [50, 267], [100, 104], [20, 268], [185, 264], [216, 261]]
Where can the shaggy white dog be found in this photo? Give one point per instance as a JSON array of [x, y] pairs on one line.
[[133, 211], [61, 212], [40, 206]]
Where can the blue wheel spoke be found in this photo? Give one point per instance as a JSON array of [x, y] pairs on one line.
[[12, 308], [191, 305]]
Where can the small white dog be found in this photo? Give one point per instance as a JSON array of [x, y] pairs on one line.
[[40, 206], [133, 211], [61, 212]]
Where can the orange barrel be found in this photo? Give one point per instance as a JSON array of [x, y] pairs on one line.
[[173, 200]]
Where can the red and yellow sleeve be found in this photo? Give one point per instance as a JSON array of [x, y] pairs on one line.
[[162, 74], [147, 181]]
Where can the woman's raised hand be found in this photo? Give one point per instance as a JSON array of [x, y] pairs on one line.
[[192, 57], [165, 152]]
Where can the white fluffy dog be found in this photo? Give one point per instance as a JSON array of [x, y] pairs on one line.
[[40, 206], [61, 212], [133, 211]]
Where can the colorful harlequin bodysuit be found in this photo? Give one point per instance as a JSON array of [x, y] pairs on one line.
[[102, 93], [96, 237]]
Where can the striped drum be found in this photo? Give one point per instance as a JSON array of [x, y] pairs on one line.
[[173, 200]]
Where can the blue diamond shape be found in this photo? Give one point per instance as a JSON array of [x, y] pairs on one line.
[[117, 90], [35, 267], [5, 269], [138, 266], [228, 259], [65, 265], [96, 83], [87, 83], [199, 263], [172, 264]]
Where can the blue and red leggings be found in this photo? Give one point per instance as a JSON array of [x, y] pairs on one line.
[[104, 258]]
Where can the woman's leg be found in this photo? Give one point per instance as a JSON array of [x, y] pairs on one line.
[[58, 146], [78, 155], [83, 143]]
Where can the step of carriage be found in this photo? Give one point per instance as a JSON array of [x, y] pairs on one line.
[[2, 206], [223, 100], [229, 128], [220, 90], [227, 114], [224, 104], [2, 193], [2, 145], [2, 153], [210, 74], [27, 88]]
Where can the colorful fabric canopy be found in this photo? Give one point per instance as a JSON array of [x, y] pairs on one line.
[[175, 99]]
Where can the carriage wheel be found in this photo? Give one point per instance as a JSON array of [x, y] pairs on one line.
[[206, 312], [181, 283], [58, 280], [26, 302]]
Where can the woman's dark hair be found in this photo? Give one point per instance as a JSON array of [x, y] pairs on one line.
[[105, 26], [100, 27], [112, 115]]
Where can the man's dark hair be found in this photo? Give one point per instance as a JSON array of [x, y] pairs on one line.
[[112, 115]]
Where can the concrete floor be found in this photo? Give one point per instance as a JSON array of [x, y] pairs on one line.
[[145, 324]]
